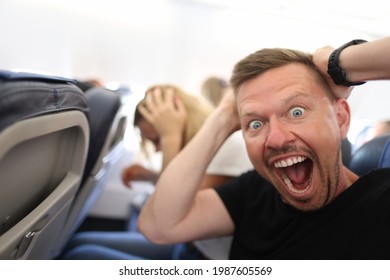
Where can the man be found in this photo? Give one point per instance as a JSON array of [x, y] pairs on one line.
[[301, 202]]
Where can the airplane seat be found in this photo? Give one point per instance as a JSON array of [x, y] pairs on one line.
[[346, 151], [107, 124], [44, 138], [371, 155]]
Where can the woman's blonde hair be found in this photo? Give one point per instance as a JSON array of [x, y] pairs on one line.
[[198, 109]]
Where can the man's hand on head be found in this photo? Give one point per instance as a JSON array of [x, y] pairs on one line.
[[321, 58]]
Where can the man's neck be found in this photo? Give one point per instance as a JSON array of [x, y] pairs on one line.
[[347, 178]]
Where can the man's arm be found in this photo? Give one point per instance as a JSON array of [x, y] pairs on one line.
[[362, 62], [178, 211], [368, 61]]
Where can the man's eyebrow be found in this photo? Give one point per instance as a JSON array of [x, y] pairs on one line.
[[249, 114], [285, 101], [297, 95]]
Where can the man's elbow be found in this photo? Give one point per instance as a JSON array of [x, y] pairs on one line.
[[153, 232]]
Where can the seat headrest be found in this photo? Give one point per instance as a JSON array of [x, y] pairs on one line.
[[25, 95], [372, 155]]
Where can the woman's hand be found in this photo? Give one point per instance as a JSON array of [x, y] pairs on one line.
[[137, 172], [165, 111], [320, 58]]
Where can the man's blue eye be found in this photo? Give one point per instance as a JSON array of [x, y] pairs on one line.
[[255, 124], [297, 112]]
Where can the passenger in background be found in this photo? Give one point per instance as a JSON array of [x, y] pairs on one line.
[[169, 118], [214, 89], [85, 85], [381, 128], [370, 132]]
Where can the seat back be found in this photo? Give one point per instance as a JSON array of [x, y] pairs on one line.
[[371, 155], [44, 138], [346, 151], [107, 123]]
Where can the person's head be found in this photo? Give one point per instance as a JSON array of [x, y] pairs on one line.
[[370, 132], [381, 128], [213, 89], [197, 112], [292, 124], [85, 85]]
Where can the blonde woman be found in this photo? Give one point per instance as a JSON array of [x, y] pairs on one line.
[[167, 118]]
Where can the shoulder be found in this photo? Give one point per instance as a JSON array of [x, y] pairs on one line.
[[380, 178], [382, 174], [249, 185], [247, 195], [377, 177], [374, 184]]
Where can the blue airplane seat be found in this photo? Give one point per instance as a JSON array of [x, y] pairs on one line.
[[371, 155]]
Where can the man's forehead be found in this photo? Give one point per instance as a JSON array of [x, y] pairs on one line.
[[282, 100], [279, 77], [257, 94]]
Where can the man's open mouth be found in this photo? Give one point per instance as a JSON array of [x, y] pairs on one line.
[[296, 173]]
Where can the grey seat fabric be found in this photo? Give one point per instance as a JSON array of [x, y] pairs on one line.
[[44, 139], [107, 127], [25, 95]]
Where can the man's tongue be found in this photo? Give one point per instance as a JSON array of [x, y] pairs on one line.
[[298, 174]]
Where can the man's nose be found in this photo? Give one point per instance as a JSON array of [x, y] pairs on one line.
[[279, 134]]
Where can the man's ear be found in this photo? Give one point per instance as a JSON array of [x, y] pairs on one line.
[[343, 112]]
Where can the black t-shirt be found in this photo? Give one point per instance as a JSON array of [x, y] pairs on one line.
[[356, 225]]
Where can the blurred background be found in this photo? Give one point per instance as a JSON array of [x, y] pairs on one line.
[[134, 44], [139, 43]]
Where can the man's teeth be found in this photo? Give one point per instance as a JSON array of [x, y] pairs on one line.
[[287, 181], [290, 186], [288, 162]]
